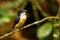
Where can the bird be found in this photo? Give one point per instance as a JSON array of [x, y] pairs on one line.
[[20, 19]]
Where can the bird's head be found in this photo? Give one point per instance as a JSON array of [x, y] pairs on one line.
[[21, 12]]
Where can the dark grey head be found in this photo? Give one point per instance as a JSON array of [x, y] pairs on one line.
[[21, 11]]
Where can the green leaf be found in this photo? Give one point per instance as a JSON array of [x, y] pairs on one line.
[[44, 30], [4, 19]]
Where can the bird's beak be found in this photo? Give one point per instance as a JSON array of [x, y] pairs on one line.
[[25, 11]]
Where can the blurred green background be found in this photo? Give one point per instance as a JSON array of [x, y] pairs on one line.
[[37, 10]]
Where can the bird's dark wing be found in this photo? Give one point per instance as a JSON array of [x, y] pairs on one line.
[[16, 21]]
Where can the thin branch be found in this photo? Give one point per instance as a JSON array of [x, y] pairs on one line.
[[9, 34], [27, 26], [58, 14]]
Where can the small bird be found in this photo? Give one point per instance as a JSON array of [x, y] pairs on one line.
[[20, 19]]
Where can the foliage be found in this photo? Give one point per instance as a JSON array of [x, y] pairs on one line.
[[44, 30]]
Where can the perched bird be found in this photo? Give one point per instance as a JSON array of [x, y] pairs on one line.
[[20, 19]]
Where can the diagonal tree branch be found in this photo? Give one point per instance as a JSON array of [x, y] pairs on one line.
[[27, 26]]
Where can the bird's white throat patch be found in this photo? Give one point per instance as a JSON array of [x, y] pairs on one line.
[[23, 15]]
